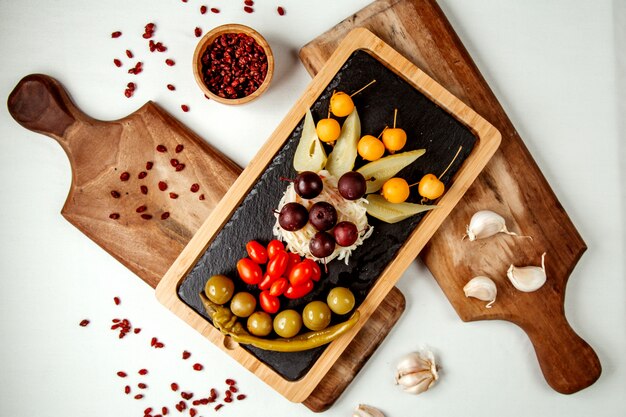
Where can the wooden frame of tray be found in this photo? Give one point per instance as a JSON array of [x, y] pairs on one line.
[[488, 140]]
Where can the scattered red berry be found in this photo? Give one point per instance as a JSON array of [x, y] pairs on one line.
[[281, 11], [143, 371], [174, 162], [117, 300], [144, 189], [241, 397], [141, 385], [117, 62], [114, 216], [180, 167], [124, 176], [195, 188], [171, 87], [84, 323], [170, 62], [149, 165], [141, 209], [197, 32], [203, 9], [161, 148], [122, 374], [174, 386], [173, 196], [115, 194], [146, 216], [215, 10], [179, 148], [184, 107], [198, 367], [162, 185], [248, 9], [230, 381], [165, 215], [186, 355], [138, 396], [201, 197], [116, 34], [142, 175], [127, 389]]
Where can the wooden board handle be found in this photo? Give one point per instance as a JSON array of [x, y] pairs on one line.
[[568, 363], [39, 103]]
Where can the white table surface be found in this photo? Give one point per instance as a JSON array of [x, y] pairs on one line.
[[554, 67]]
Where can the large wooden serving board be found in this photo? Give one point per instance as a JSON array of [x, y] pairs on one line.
[[232, 214], [511, 185]]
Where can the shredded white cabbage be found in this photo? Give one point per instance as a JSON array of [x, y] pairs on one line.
[[352, 211]]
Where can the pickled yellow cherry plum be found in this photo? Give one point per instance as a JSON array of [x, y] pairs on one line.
[[316, 315], [219, 289], [340, 300], [328, 130], [243, 304], [395, 190], [370, 148], [287, 323], [259, 323], [430, 187], [341, 104], [394, 139]]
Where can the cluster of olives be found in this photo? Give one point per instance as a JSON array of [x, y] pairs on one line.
[[288, 323], [323, 215]]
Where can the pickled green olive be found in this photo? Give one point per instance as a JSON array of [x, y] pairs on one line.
[[340, 300], [287, 323], [316, 315], [259, 324], [243, 304], [219, 289]]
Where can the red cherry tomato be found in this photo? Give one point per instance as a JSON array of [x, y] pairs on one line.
[[299, 291], [249, 271], [279, 286], [266, 282], [316, 273], [274, 247], [300, 274], [256, 252], [269, 303], [277, 265], [294, 259]]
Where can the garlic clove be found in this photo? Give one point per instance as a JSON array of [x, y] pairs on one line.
[[486, 223], [528, 278], [483, 288], [416, 372], [364, 410]]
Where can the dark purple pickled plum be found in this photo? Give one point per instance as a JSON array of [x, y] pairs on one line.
[[352, 185], [308, 184], [345, 233], [293, 216], [322, 245], [323, 216]]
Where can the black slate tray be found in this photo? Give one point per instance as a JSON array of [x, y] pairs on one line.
[[427, 125]]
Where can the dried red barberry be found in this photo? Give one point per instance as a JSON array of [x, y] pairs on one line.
[[165, 215], [215, 10], [128, 93], [171, 87], [198, 367], [194, 188], [197, 32], [228, 400], [137, 330], [180, 167], [146, 216], [186, 355], [142, 175], [192, 412], [162, 185], [122, 374], [116, 34], [170, 62], [281, 11], [117, 300], [213, 393], [129, 53], [184, 107], [124, 176], [159, 345], [143, 371], [144, 189], [248, 9], [149, 165], [174, 162], [179, 148], [173, 196], [164, 411], [138, 396], [141, 209], [84, 323], [115, 194], [217, 407], [241, 397], [230, 381], [201, 197], [147, 410], [117, 62], [186, 395], [233, 389], [114, 216], [174, 386], [127, 389], [203, 9], [161, 148], [249, 2], [141, 385]]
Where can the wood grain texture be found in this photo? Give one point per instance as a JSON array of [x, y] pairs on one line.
[[511, 185], [99, 151], [488, 139]]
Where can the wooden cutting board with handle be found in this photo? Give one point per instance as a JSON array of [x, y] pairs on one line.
[[101, 151], [511, 185]]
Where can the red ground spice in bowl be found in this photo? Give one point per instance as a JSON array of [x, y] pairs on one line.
[[233, 64]]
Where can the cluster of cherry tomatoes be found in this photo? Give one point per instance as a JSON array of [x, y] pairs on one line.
[[285, 273]]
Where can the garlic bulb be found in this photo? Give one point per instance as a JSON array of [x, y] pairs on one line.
[[417, 372], [528, 278], [483, 288], [367, 411], [486, 223]]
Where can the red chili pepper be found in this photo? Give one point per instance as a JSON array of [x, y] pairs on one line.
[[269, 303], [316, 272], [256, 252], [267, 282], [249, 271], [300, 274], [294, 259], [279, 286], [300, 291], [276, 266]]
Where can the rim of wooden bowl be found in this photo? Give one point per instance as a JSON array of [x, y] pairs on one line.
[[208, 38]]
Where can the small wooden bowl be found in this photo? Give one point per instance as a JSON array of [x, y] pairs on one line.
[[208, 39]]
